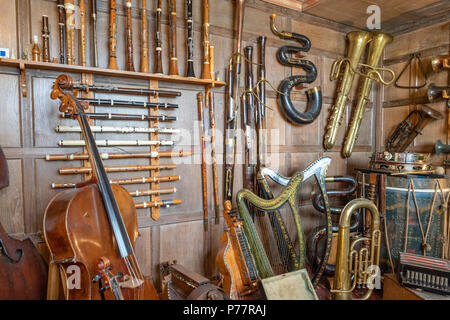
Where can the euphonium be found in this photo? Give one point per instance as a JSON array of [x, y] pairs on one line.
[[351, 262], [357, 44], [376, 47], [440, 147], [408, 129], [436, 93]]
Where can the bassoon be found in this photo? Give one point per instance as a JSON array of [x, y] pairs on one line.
[[112, 35], [129, 37], [212, 124], [261, 111], [203, 165], [144, 35], [70, 30], [94, 31], [248, 121], [117, 116], [158, 40], [45, 40], [173, 60], [206, 73], [234, 70], [83, 32], [123, 181], [126, 90], [189, 42], [62, 31]]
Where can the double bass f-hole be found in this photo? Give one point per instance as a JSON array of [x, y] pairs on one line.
[[5, 254], [314, 95]]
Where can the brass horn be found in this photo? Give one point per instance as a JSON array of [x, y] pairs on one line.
[[408, 129], [440, 147], [351, 262], [436, 93], [440, 62], [349, 66]]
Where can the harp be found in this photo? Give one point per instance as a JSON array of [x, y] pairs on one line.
[[268, 236]]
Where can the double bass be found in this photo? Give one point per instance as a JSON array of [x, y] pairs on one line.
[[91, 230]]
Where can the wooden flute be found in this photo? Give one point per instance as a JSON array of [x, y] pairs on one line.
[[83, 32], [112, 64], [212, 123], [144, 37], [248, 122], [190, 40], [116, 116], [149, 192], [62, 31], [112, 143], [70, 30], [142, 180], [125, 155], [206, 72], [158, 40], [261, 111], [45, 40], [161, 203], [94, 31], [125, 90], [118, 129], [129, 39], [124, 103], [173, 59], [203, 165], [77, 170], [211, 62], [234, 70]]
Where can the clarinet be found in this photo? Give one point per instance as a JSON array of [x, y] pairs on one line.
[[248, 118], [94, 31], [70, 30], [144, 42], [158, 39], [206, 74], [190, 42], [62, 31], [234, 70], [112, 35], [173, 60], [83, 32], [129, 36], [45, 40], [261, 111]]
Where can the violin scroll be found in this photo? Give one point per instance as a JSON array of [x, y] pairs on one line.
[[68, 102]]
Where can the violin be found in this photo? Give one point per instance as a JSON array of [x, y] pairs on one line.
[[23, 274], [91, 230], [234, 260]]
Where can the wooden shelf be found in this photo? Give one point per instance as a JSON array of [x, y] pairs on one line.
[[106, 72]]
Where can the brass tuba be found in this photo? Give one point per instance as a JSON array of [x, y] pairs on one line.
[[358, 41], [351, 262], [408, 129]]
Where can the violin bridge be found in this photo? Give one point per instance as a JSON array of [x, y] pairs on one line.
[[130, 282]]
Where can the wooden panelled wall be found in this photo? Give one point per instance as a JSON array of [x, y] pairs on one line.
[[27, 124]]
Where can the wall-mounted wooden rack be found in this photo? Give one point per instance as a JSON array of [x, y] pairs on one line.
[[87, 74]]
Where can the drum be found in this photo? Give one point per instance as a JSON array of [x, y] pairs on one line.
[[400, 162], [415, 213]]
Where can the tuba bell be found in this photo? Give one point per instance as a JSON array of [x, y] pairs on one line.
[[412, 126], [354, 263], [436, 93]]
